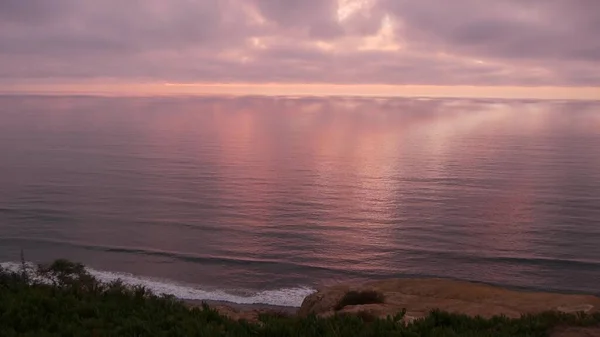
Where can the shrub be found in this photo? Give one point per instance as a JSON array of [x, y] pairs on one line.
[[360, 297], [366, 316]]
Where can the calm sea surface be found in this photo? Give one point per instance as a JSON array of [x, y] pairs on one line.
[[263, 199]]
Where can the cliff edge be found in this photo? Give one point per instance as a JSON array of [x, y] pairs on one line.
[[419, 296]]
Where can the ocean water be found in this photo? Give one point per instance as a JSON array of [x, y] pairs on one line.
[[262, 200]]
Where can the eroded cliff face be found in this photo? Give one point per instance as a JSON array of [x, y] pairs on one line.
[[419, 296]]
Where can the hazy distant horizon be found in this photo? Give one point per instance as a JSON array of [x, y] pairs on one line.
[[316, 90]]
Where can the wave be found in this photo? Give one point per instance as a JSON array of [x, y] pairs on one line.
[[182, 256], [285, 297], [424, 252]]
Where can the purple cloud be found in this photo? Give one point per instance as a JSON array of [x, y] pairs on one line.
[[472, 42]]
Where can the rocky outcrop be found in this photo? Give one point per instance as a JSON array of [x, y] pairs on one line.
[[419, 296]]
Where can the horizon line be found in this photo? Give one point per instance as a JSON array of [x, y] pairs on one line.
[[303, 89]]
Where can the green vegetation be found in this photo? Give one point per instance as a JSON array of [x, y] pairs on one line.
[[360, 297], [62, 299]]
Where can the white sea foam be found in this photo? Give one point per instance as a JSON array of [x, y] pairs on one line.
[[288, 297]]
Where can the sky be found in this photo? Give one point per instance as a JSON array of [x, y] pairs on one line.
[[545, 48]]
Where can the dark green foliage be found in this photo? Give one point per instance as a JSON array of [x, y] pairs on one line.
[[360, 297], [366, 316], [62, 299]]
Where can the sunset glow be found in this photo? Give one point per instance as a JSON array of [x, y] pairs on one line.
[[277, 89], [314, 47]]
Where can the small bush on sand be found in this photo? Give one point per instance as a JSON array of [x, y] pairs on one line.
[[360, 297]]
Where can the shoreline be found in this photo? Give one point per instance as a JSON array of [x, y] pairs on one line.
[[163, 286], [385, 307]]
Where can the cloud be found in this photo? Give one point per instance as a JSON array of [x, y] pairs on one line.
[[312, 18], [538, 29], [465, 42]]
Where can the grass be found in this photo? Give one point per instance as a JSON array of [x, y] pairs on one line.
[[62, 299], [360, 297]]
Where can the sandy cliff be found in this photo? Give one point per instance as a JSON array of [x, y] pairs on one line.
[[419, 296]]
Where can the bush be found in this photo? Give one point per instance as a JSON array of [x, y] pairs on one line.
[[360, 297]]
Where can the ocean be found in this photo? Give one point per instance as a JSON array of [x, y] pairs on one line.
[[264, 199]]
